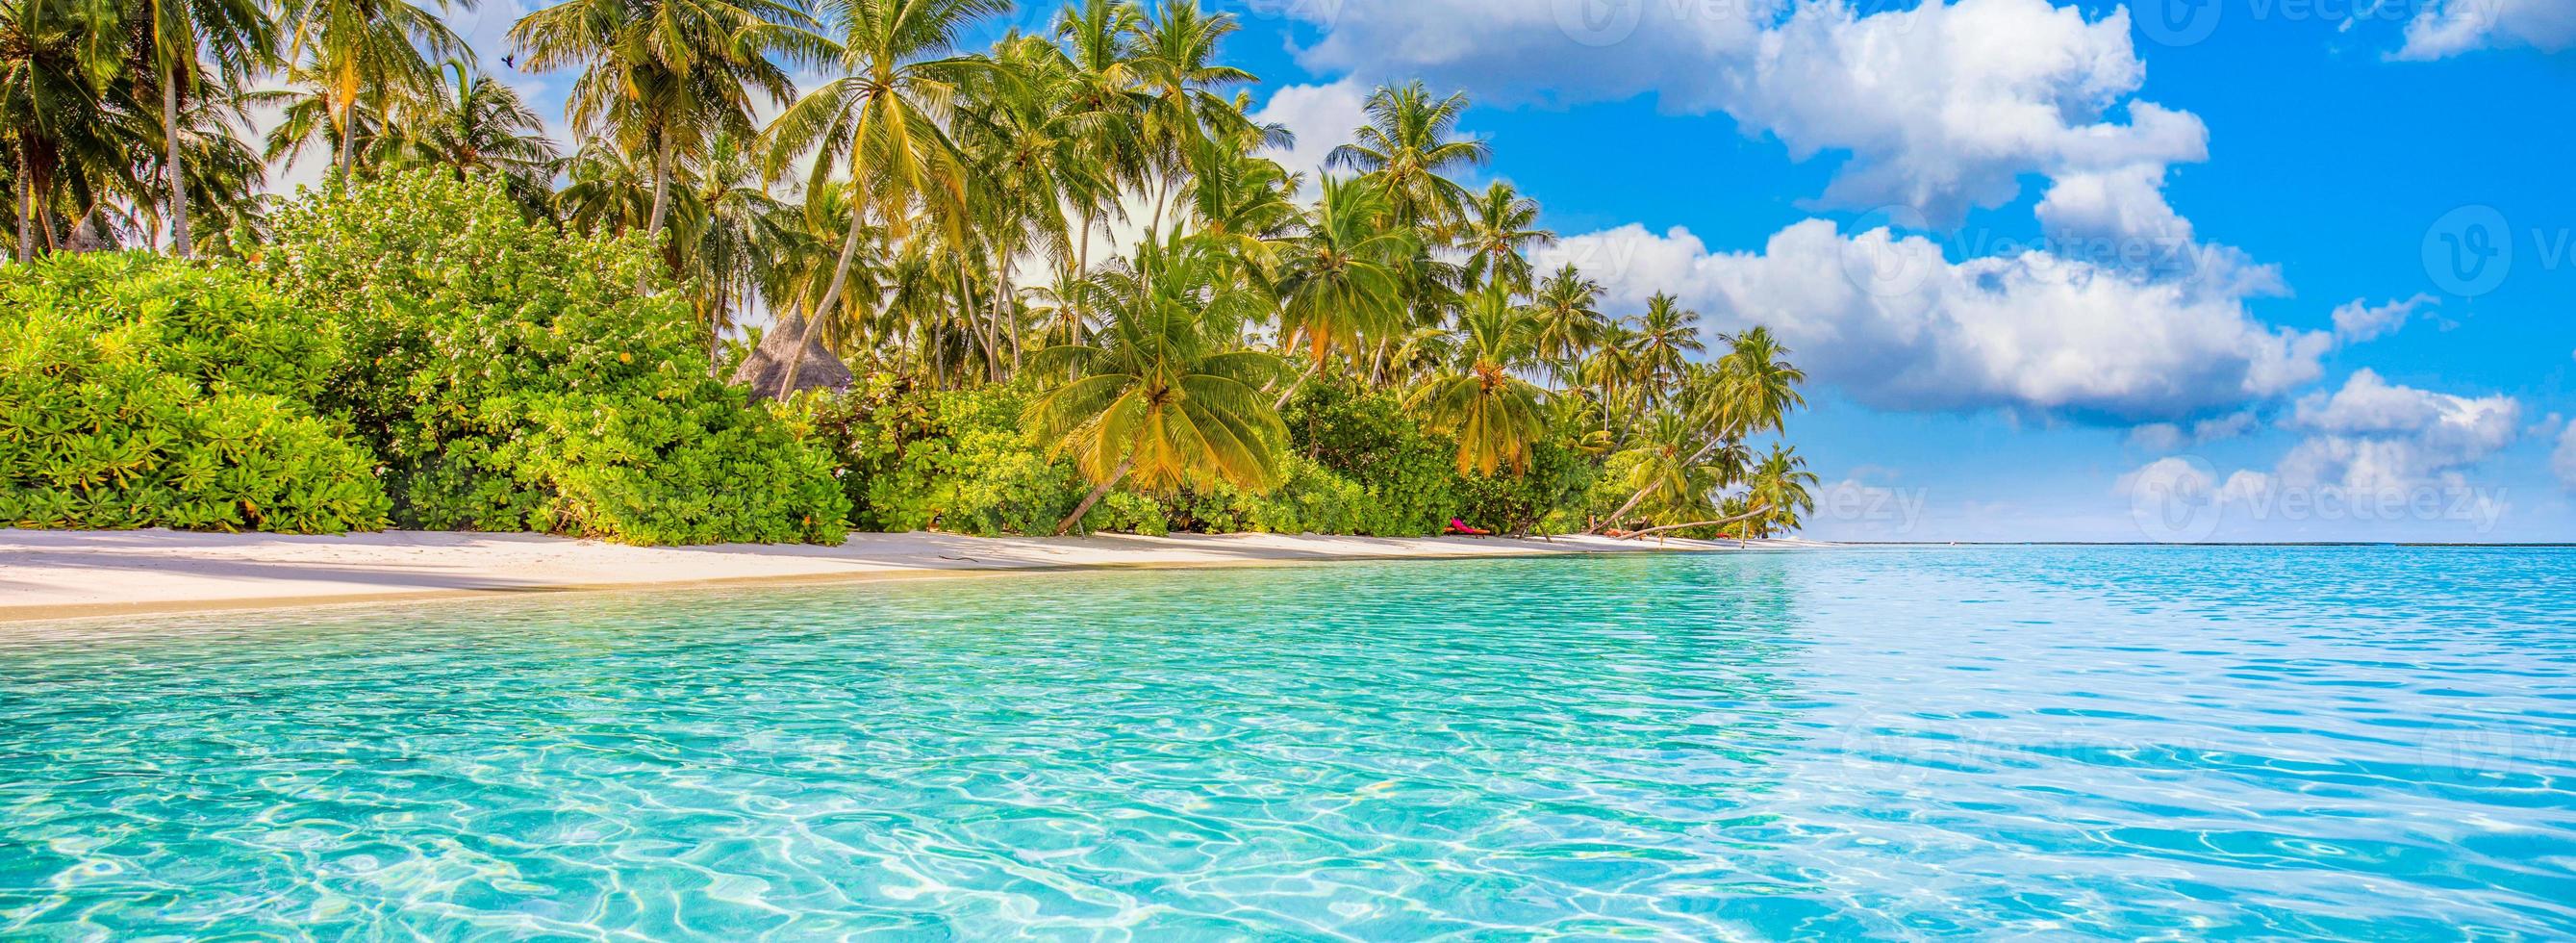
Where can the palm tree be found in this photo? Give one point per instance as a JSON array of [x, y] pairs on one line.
[[1407, 149], [1668, 466], [1162, 395], [472, 122], [1756, 384], [1778, 492], [1570, 322], [1610, 369], [886, 119], [1031, 154], [314, 114], [1340, 281], [56, 109], [366, 49], [605, 190], [1752, 389], [1502, 225], [192, 42], [1174, 64], [1496, 416], [663, 76], [1666, 336], [728, 230]]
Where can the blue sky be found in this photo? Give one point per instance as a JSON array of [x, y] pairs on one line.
[[2059, 272]]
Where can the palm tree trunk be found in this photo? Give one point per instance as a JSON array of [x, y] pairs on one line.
[[1002, 312], [26, 207], [661, 184], [180, 242], [348, 139], [1748, 515], [1066, 526], [661, 205], [983, 325], [831, 295], [1082, 268], [1635, 499], [1284, 395]]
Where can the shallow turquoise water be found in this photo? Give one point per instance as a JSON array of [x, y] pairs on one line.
[[2044, 741]]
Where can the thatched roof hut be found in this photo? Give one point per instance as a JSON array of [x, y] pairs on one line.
[[766, 369]]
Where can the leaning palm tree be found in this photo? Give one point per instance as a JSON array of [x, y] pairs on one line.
[[885, 119], [1496, 416], [1408, 149], [1501, 226], [1667, 466], [1340, 283], [1162, 396], [192, 44], [1751, 389]]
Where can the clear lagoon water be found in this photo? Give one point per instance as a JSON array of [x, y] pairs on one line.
[[2117, 742]]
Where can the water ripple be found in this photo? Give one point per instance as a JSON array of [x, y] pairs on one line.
[[2114, 742]]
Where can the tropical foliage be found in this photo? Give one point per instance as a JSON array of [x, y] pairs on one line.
[[534, 331], [139, 392]]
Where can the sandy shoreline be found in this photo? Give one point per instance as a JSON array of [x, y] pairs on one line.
[[66, 574]]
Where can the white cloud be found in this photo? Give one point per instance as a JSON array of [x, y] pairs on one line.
[[2356, 320], [1941, 106], [2168, 436], [2372, 435], [2450, 27], [1321, 116], [1892, 322], [2563, 461]]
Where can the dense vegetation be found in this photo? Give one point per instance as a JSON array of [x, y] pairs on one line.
[[489, 333]]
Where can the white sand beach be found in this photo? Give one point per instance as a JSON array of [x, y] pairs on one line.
[[58, 574]]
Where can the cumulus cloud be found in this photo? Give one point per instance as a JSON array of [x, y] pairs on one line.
[[1892, 322], [1942, 106], [2171, 436], [2446, 28], [2356, 320], [2563, 461], [2373, 435], [1321, 116]]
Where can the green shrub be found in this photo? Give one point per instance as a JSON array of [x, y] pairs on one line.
[[142, 392], [954, 460], [1556, 481], [513, 376], [1367, 439]]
